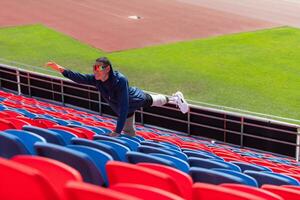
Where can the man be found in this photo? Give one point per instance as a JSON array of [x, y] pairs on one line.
[[122, 98]]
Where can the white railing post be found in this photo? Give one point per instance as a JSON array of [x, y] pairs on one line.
[[298, 143]]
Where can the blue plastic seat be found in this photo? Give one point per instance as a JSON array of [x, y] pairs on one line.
[[179, 163], [132, 143], [11, 145], [271, 178], [27, 138], [76, 159], [248, 166], [204, 175], [202, 155], [248, 180], [103, 147], [173, 146], [66, 135], [137, 157], [120, 149], [108, 138], [135, 138], [48, 135], [207, 163], [171, 152], [99, 157], [73, 122], [98, 131], [155, 144]]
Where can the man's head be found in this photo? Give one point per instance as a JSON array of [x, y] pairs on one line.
[[102, 69]]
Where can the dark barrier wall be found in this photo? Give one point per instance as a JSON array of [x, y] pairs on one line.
[[234, 128]]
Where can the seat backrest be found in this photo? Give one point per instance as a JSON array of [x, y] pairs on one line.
[[22, 182], [179, 164], [120, 172], [183, 180], [18, 123], [27, 138], [78, 160], [271, 178], [205, 163], [202, 155], [137, 157], [48, 135], [66, 135], [120, 149], [253, 190], [112, 139], [56, 172], [213, 177], [209, 191], [11, 145], [284, 192], [85, 191], [248, 166], [103, 147], [132, 143], [76, 132], [248, 180], [100, 158], [5, 124], [145, 192]]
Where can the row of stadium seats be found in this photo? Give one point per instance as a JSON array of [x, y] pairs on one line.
[[69, 155]]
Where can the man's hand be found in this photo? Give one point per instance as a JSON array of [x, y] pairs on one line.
[[55, 67]]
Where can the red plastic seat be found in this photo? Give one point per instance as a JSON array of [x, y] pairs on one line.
[[84, 191], [76, 132], [214, 192], [183, 180], [11, 114], [120, 172], [44, 123], [145, 192], [19, 181], [253, 190], [284, 192], [5, 124], [18, 123], [88, 133], [56, 172]]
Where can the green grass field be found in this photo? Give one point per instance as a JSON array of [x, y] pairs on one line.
[[256, 71]]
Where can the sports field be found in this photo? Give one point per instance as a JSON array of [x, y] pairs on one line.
[[256, 71]]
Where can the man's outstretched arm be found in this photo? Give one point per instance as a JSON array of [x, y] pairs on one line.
[[74, 76]]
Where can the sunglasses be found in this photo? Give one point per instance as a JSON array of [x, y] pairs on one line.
[[99, 67]]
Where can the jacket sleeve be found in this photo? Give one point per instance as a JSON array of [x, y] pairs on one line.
[[88, 79], [124, 104]]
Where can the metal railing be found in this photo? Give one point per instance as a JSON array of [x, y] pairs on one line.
[[225, 126]]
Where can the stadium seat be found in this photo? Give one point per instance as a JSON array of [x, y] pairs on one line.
[[248, 166], [137, 157], [18, 123], [284, 192], [183, 180], [120, 172], [179, 164], [78, 160], [145, 192], [103, 147], [100, 158], [27, 138], [247, 180], [209, 164], [11, 145], [66, 135], [155, 144], [85, 191], [202, 155], [170, 152], [120, 149], [113, 139], [271, 178], [213, 177], [252, 190], [132, 143], [76, 132], [57, 173], [19, 181], [5, 124], [211, 192], [48, 135]]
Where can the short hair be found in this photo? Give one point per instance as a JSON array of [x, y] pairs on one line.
[[104, 61]]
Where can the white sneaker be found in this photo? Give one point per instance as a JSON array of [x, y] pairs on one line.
[[181, 102]]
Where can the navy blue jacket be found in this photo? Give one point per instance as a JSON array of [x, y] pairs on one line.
[[116, 92]]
